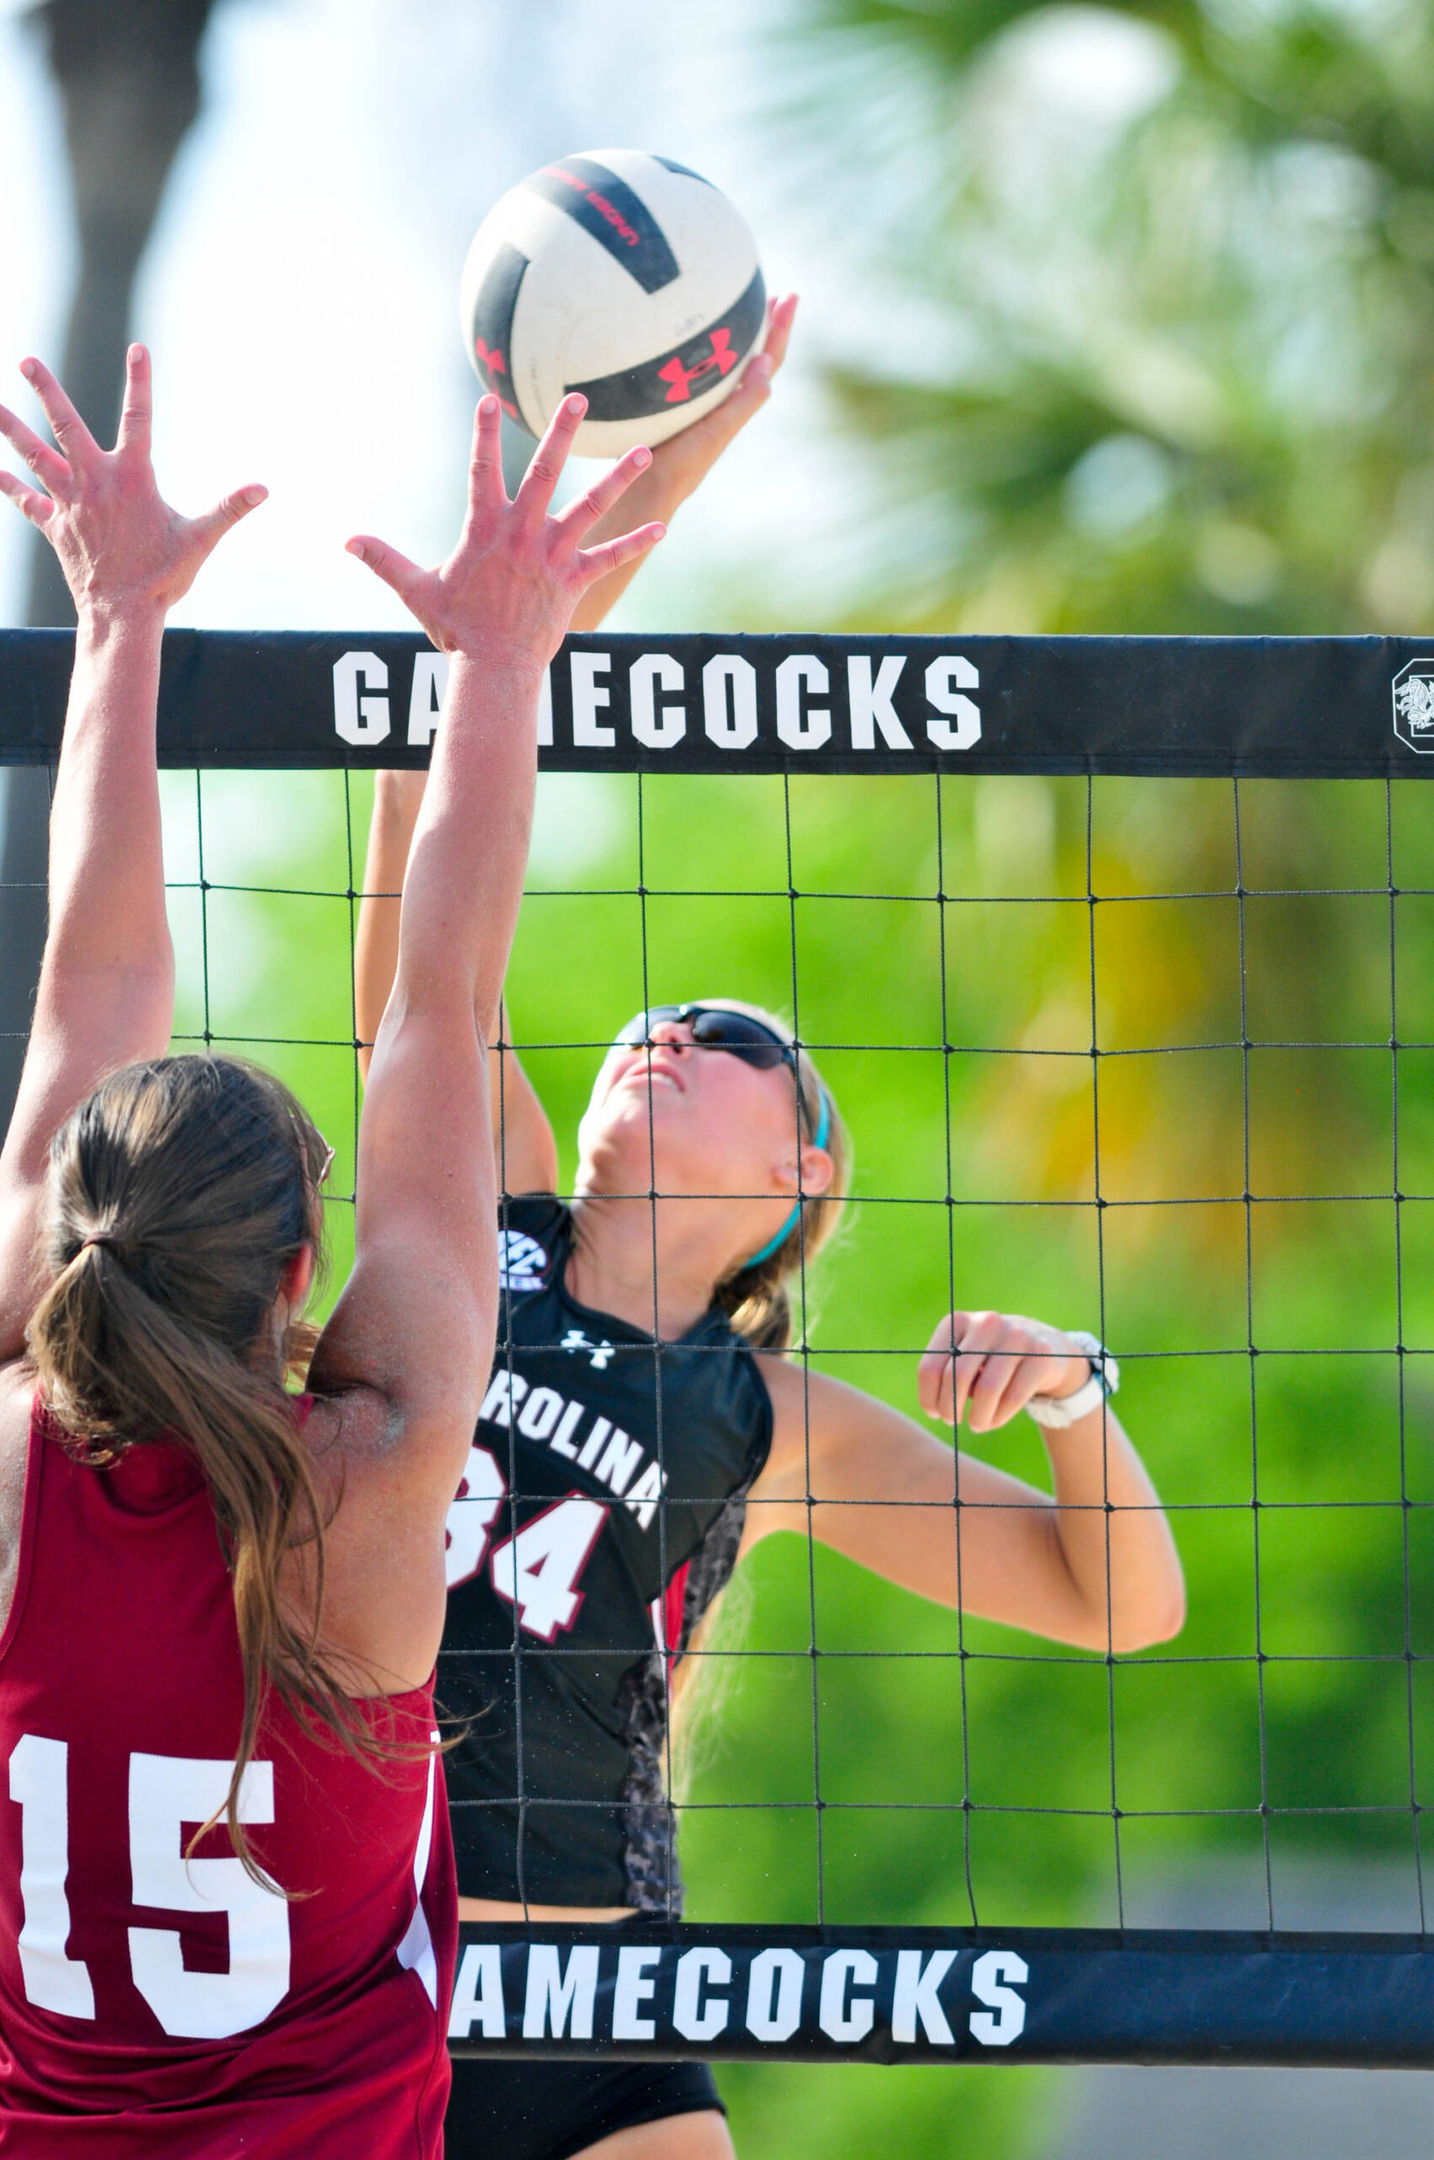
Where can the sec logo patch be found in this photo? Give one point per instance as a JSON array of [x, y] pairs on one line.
[[522, 1262]]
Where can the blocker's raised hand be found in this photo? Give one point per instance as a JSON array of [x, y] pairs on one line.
[[991, 1364], [508, 590], [119, 543]]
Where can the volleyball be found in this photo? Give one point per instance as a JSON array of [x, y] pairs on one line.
[[619, 274]]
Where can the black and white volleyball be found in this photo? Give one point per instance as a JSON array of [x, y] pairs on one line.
[[619, 274]]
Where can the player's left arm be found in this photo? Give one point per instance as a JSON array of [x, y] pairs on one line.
[[106, 992], [1092, 1563], [682, 463]]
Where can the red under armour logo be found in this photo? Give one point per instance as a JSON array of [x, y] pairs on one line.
[[495, 364], [681, 378]]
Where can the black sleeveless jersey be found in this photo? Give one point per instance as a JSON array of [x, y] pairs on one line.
[[600, 1513]]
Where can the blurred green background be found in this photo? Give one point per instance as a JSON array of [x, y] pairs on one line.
[[1142, 342]]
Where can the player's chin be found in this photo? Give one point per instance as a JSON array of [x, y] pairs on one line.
[[644, 1130]]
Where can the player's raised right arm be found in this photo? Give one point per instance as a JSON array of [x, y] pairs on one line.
[[416, 1321]]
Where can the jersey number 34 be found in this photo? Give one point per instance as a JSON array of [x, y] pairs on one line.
[[539, 1568]]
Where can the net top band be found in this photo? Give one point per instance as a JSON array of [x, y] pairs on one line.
[[1177, 707]]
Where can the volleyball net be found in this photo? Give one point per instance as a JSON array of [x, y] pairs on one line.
[[1118, 955]]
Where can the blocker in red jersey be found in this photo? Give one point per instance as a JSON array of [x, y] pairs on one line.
[[228, 1911]]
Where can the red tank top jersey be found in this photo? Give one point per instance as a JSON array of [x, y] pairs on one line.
[[158, 2006]]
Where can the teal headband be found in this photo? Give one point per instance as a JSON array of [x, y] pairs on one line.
[[819, 1139]]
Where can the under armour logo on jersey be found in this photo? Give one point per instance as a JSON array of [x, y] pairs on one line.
[[522, 1263], [601, 1354]]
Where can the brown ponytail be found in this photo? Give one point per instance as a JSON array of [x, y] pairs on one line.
[[178, 1194]]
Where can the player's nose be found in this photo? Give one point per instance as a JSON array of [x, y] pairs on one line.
[[675, 1034]]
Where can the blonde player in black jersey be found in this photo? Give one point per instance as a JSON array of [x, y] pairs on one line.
[[643, 1428]]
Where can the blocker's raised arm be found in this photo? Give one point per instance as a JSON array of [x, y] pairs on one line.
[[664, 480], [106, 992], [415, 1324]]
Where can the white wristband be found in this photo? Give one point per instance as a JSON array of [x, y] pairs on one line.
[[1056, 1412]]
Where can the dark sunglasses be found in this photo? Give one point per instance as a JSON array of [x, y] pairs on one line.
[[718, 1029]]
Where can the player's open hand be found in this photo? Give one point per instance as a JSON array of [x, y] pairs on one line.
[[991, 1364], [120, 545], [508, 590]]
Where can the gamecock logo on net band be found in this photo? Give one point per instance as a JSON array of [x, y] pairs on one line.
[[1414, 706]]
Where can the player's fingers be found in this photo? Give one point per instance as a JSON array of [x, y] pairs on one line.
[[138, 409], [485, 466], [211, 528], [551, 456], [1032, 1376], [580, 515], [950, 1391], [946, 1335], [934, 1375], [779, 329], [982, 1334], [46, 464], [68, 429], [385, 562], [966, 1370], [27, 500], [934, 1382], [1036, 1368], [598, 562], [984, 1402], [755, 385]]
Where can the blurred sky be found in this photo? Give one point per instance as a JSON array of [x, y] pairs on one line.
[[300, 294]]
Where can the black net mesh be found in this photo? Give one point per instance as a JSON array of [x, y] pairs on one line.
[[1141, 1056]]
